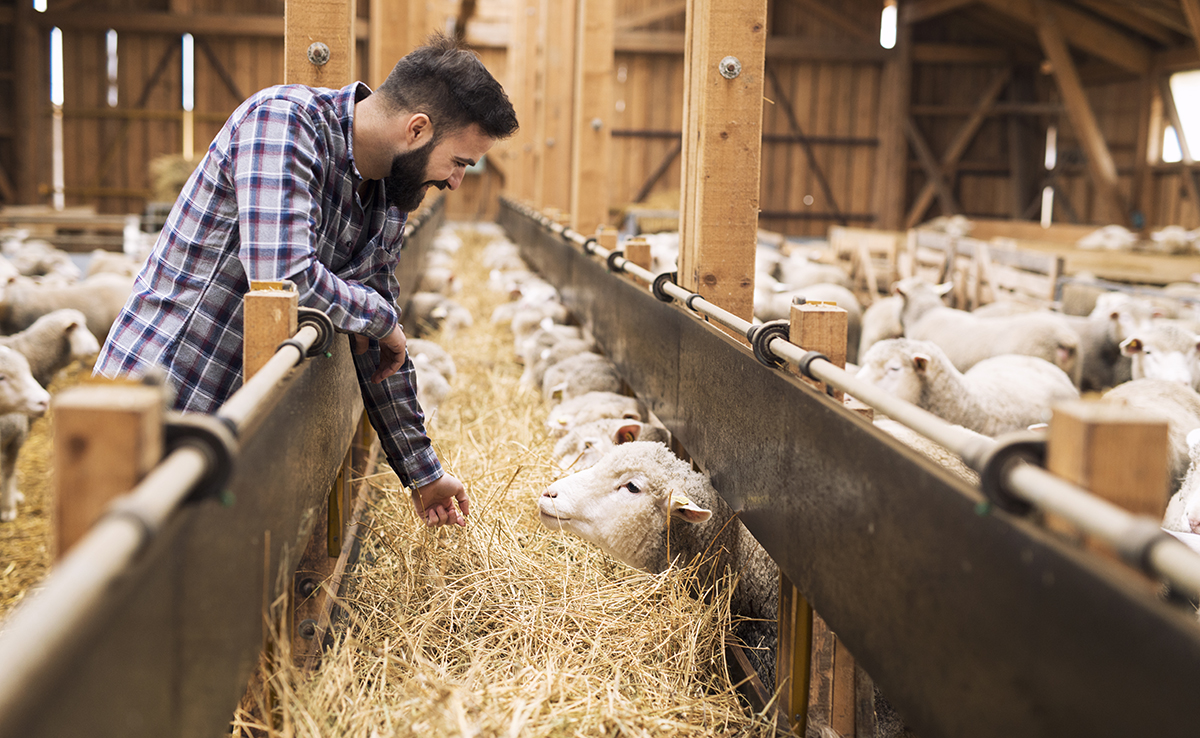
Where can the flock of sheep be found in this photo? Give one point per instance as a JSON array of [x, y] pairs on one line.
[[52, 313]]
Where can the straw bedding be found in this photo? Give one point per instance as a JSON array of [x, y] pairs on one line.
[[504, 628]]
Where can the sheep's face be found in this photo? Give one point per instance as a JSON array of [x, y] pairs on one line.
[[19, 391], [619, 505], [82, 343], [896, 370], [1156, 362]]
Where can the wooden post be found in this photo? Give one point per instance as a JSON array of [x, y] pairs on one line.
[[891, 166], [793, 655], [606, 238], [1117, 452], [556, 36], [397, 27], [107, 436], [722, 130], [30, 93], [820, 326], [269, 316], [316, 30], [592, 130], [637, 250]]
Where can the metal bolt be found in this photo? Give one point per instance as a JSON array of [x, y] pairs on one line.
[[597, 124], [550, 142], [306, 587], [318, 53], [730, 67], [307, 629]]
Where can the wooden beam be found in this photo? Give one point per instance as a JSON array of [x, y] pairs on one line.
[[309, 22], [1191, 11], [593, 115], [556, 81], [722, 151], [891, 164], [1131, 19], [1100, 161], [836, 16], [646, 16], [659, 171], [936, 53], [1082, 31], [199, 24], [781, 97], [929, 164], [958, 145], [922, 10], [778, 47], [396, 28], [30, 99]]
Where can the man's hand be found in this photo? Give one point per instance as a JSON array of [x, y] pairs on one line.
[[434, 502], [391, 352]]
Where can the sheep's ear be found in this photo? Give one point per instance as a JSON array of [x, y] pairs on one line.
[[920, 361], [556, 392], [627, 433], [1131, 346], [1193, 440], [943, 289], [686, 510]]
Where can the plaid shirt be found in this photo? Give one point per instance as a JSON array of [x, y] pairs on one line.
[[276, 197]]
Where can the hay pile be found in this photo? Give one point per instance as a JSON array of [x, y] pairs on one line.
[[504, 628]]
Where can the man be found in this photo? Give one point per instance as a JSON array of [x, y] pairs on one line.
[[314, 185]]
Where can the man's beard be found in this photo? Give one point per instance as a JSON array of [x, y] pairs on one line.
[[406, 184]]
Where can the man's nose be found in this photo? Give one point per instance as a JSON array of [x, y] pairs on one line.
[[456, 178]]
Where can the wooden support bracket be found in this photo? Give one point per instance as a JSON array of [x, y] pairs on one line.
[[637, 251], [107, 436], [821, 326], [269, 318], [793, 655]]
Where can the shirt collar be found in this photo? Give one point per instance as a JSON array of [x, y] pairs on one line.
[[347, 97]]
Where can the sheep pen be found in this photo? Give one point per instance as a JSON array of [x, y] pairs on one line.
[[503, 628]]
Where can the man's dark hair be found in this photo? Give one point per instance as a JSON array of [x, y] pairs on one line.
[[452, 87]]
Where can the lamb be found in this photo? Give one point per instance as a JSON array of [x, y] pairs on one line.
[[111, 262], [526, 320], [535, 370], [967, 340], [648, 509], [935, 452], [1164, 350], [99, 298], [440, 280], [53, 342], [997, 395], [20, 398], [1177, 404], [35, 258], [431, 312], [797, 272], [545, 336], [580, 374], [586, 444], [880, 320], [439, 358], [593, 406], [1183, 511], [432, 387]]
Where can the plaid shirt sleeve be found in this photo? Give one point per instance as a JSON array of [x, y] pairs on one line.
[[277, 162]]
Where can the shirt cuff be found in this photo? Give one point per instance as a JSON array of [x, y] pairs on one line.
[[382, 324], [419, 469]]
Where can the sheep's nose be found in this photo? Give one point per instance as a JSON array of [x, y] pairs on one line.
[[1193, 523], [549, 492]]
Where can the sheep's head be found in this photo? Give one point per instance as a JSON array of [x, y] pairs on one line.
[[82, 343], [1163, 352], [899, 366], [19, 391], [625, 502], [1189, 494]]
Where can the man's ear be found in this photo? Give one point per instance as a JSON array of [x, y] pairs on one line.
[[419, 130]]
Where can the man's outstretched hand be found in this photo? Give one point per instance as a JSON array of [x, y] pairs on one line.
[[435, 502], [391, 352]]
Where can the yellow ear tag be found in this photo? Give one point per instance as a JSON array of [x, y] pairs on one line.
[[679, 501]]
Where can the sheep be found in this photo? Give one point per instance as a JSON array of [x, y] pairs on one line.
[[586, 444], [648, 509], [593, 406], [54, 341], [111, 262], [935, 452], [439, 357], [535, 369], [1164, 350], [997, 395], [440, 280], [580, 374], [967, 340], [1177, 404], [35, 257], [431, 312], [880, 320], [432, 387], [526, 320], [1109, 238], [21, 397], [798, 271], [1183, 510], [548, 333], [99, 298]]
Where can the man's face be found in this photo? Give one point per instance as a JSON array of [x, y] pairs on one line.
[[439, 164]]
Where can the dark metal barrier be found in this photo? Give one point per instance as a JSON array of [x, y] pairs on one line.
[[972, 622], [172, 646]]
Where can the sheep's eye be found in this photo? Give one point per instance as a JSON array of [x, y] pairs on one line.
[[633, 487], [587, 444]]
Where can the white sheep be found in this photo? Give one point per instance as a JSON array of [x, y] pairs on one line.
[[586, 444], [593, 406], [430, 311], [432, 387], [967, 339], [441, 280], [1109, 238], [546, 335], [881, 320], [53, 342], [580, 374], [99, 298], [35, 257], [535, 368], [112, 262], [1164, 350], [997, 395], [648, 509], [439, 358], [1183, 511], [21, 397], [932, 450], [798, 271], [526, 320], [1176, 403]]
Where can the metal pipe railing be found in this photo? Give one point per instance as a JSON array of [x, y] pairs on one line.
[[256, 397], [1139, 539]]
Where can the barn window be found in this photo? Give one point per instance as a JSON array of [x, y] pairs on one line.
[[110, 44], [887, 25], [1185, 91]]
